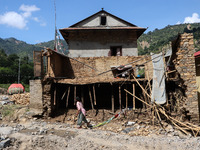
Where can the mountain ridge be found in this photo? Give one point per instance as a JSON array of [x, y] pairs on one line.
[[153, 41]]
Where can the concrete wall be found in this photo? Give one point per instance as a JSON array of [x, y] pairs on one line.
[[36, 96], [98, 43], [96, 49]]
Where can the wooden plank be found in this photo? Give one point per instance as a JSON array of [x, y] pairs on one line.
[[82, 95], [54, 101], [68, 97], [91, 98], [141, 86], [64, 94], [126, 98], [133, 96], [120, 98], [95, 101], [137, 97], [112, 99], [74, 93]]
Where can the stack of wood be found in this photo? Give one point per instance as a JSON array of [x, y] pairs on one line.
[[159, 113], [22, 99]]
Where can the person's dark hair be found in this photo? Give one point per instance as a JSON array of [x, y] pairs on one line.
[[78, 99]]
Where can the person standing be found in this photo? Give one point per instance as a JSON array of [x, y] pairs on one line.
[[81, 113]]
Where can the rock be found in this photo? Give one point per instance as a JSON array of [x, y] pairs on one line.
[[6, 130], [169, 128], [127, 130], [130, 123], [5, 143]]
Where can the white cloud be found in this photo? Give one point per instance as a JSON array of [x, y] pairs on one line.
[[28, 8], [194, 19], [20, 20], [36, 19], [178, 22], [13, 19]]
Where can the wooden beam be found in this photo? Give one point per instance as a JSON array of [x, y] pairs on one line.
[[141, 86], [74, 93], [68, 97], [120, 98], [95, 101], [126, 98], [54, 102], [112, 98], [64, 94], [133, 96], [82, 95], [137, 97], [91, 98]]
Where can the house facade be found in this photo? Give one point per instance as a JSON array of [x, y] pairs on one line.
[[102, 34]]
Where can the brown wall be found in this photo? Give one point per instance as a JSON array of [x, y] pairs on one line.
[[60, 66], [183, 54]]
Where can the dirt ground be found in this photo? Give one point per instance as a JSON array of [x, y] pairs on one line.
[[128, 132]]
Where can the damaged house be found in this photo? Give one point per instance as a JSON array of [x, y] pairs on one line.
[[102, 63]]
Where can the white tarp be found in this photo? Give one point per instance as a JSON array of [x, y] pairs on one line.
[[158, 88]]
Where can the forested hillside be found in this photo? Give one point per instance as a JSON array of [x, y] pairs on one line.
[[9, 65], [157, 39], [14, 46], [22, 49]]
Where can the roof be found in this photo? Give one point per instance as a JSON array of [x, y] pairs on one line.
[[75, 28], [103, 11], [197, 54]]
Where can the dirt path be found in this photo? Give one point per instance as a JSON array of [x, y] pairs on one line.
[[42, 135]]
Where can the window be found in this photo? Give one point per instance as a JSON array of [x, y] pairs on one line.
[[103, 20], [115, 51]]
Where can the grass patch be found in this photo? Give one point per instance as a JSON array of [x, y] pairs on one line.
[[8, 110], [5, 86]]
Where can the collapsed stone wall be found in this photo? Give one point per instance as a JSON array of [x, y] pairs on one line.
[[184, 61], [103, 64]]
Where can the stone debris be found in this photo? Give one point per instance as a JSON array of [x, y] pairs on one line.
[[22, 99], [5, 143]]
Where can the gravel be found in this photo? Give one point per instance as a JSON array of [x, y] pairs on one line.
[[49, 136]]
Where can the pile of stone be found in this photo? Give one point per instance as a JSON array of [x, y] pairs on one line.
[[22, 99]]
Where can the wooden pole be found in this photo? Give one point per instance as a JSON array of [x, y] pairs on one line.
[[54, 102], [95, 101], [120, 98], [82, 95], [68, 97], [147, 73], [64, 94], [133, 96], [91, 98], [112, 98], [126, 98], [137, 98], [74, 94], [141, 86]]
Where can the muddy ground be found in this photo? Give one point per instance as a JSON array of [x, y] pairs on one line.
[[22, 131]]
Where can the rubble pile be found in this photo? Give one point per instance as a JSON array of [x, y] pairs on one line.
[[22, 99]]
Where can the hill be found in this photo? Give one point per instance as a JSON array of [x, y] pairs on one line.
[[152, 41], [159, 39], [14, 46]]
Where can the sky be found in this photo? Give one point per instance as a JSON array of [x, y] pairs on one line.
[[33, 21]]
